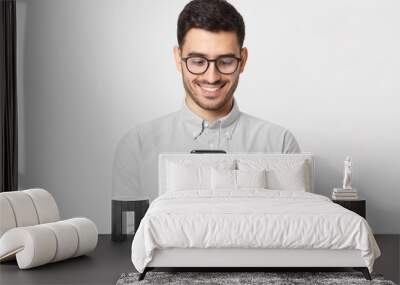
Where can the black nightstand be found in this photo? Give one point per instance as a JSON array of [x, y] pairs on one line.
[[118, 207], [357, 206]]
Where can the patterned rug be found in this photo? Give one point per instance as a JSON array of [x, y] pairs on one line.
[[244, 278]]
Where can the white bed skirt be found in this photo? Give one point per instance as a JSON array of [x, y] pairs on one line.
[[235, 257]]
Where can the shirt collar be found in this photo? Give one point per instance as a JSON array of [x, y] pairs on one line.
[[197, 122]]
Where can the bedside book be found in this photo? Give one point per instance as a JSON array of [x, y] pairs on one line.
[[344, 194], [341, 190]]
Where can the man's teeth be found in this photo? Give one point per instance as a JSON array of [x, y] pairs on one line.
[[210, 89]]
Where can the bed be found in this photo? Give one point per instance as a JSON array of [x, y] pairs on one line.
[[247, 210]]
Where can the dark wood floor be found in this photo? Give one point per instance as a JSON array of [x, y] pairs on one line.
[[102, 266], [110, 260]]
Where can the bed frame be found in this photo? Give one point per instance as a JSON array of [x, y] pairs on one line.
[[250, 259], [235, 259]]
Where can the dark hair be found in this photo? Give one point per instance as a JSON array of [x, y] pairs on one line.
[[210, 15]]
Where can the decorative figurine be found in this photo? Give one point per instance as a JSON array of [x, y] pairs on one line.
[[347, 173]]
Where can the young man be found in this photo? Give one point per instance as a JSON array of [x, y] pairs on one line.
[[210, 58]]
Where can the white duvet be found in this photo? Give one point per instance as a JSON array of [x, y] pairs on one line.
[[250, 218]]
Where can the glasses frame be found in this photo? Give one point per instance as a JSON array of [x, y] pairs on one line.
[[185, 59]]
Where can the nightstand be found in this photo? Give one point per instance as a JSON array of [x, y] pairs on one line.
[[118, 207], [357, 206]]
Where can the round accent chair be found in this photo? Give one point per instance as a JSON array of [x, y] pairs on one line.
[[31, 231]]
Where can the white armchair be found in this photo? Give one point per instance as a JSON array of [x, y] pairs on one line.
[[32, 233]]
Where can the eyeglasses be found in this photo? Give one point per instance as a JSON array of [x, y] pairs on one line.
[[225, 64]]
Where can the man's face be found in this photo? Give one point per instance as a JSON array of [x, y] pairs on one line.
[[212, 90]]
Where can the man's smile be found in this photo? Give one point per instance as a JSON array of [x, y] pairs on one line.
[[210, 90]]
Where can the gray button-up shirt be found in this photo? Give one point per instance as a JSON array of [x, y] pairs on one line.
[[135, 167]]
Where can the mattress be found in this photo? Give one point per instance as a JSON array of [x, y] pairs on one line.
[[251, 219]]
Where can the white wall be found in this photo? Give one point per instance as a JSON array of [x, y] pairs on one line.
[[89, 70]]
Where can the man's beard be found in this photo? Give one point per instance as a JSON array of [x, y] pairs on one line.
[[217, 107]]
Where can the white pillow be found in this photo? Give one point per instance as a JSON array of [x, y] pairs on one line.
[[223, 179], [290, 178], [186, 174], [282, 174], [182, 177], [251, 178], [237, 179]]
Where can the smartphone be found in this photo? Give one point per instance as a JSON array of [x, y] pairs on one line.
[[208, 151]]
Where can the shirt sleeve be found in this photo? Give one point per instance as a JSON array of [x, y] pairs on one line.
[[126, 168], [290, 144]]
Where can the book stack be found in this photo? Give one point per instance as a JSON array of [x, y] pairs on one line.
[[344, 194]]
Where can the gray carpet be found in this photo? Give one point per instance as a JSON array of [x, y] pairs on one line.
[[269, 278]]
